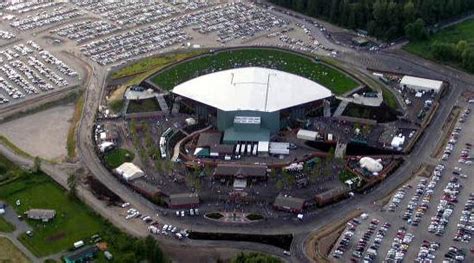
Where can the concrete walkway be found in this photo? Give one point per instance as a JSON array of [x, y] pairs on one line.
[[163, 105], [367, 101], [340, 109]]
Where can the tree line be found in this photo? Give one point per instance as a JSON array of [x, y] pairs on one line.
[[460, 53], [385, 19]]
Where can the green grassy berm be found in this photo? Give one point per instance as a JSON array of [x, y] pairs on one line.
[[333, 79]]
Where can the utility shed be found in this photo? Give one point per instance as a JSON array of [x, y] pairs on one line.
[[41, 214], [331, 196], [421, 84], [307, 135], [288, 203], [263, 147], [129, 171], [184, 200], [280, 148]]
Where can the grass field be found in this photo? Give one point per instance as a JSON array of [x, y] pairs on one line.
[[150, 63], [73, 220], [116, 105], [147, 105], [5, 226], [8, 171], [116, 157], [10, 253], [453, 34], [329, 77]]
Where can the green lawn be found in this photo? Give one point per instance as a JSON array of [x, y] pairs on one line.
[[5, 226], [453, 34], [8, 171], [116, 105], [327, 76], [116, 157], [147, 105], [73, 220], [155, 62]]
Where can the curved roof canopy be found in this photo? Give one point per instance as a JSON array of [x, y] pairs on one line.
[[252, 88]]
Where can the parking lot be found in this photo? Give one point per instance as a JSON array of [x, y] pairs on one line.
[[27, 69], [111, 33], [431, 217]]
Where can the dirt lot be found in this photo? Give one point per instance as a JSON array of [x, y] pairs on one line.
[[41, 134], [9, 253]]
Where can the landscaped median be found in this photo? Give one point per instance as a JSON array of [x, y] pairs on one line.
[[229, 217], [319, 243]]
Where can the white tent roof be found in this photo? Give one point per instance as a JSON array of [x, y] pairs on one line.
[[263, 147], [252, 88], [279, 148], [371, 164], [422, 82], [397, 141], [129, 171], [307, 135]]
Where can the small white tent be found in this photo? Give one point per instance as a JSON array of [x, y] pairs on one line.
[[372, 165], [129, 171]]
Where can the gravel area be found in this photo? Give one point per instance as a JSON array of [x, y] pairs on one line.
[[42, 134]]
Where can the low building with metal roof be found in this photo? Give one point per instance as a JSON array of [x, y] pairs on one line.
[[44, 215], [289, 203], [421, 84], [183, 200], [84, 254]]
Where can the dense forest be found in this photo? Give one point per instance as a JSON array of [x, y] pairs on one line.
[[385, 19]]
